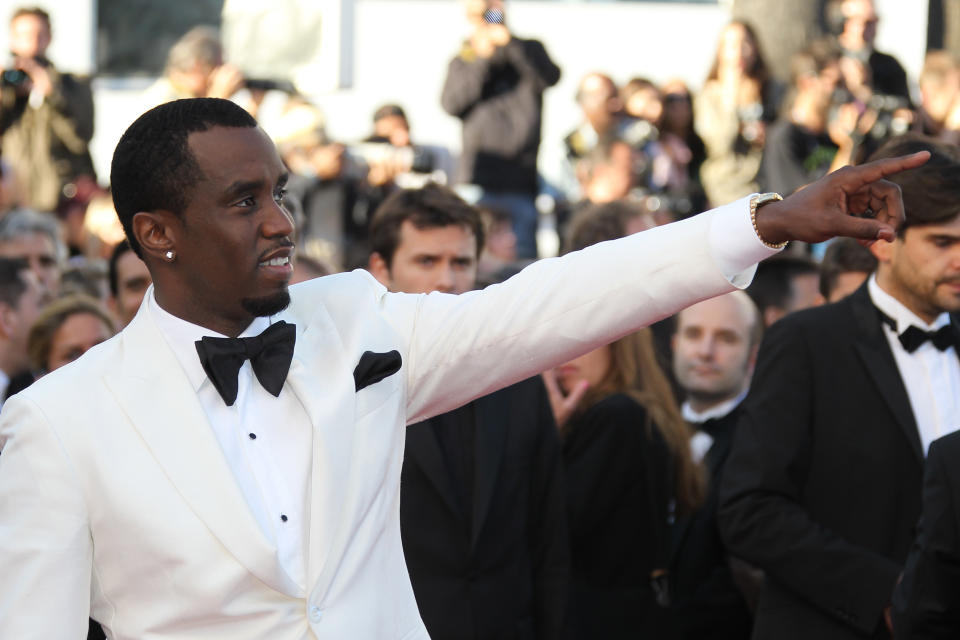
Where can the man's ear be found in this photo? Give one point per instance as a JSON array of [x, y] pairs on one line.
[[378, 267], [155, 231], [883, 251]]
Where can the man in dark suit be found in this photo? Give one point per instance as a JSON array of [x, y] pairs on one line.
[[822, 487], [481, 506], [714, 353], [925, 604]]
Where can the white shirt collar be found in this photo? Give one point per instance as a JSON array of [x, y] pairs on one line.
[[181, 336], [717, 411], [898, 312], [4, 383]]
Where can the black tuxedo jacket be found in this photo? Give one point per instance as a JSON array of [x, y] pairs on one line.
[[706, 601], [822, 488], [502, 570], [926, 604]]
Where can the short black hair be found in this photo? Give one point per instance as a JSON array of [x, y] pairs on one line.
[[843, 255], [153, 167], [931, 193], [115, 255], [428, 207], [12, 285], [772, 286]]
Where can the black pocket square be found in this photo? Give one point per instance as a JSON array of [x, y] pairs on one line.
[[374, 367]]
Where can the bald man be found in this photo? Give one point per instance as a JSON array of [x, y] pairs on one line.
[[714, 351]]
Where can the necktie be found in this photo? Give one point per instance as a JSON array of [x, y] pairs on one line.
[[269, 353], [913, 337]]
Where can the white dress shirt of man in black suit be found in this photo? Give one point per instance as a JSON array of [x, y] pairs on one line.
[[823, 486], [714, 353], [481, 502]]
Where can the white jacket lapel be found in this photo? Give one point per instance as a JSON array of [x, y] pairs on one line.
[[159, 401]]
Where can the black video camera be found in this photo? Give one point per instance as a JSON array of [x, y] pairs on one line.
[[13, 77]]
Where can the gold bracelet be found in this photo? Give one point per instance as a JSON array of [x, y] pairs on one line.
[[757, 201]]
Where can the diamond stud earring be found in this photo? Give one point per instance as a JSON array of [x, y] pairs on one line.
[[169, 255]]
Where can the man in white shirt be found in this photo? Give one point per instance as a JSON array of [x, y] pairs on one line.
[[823, 487], [261, 500]]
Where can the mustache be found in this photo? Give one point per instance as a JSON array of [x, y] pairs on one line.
[[281, 244]]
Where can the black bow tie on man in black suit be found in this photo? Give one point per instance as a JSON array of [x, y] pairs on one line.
[[913, 337], [270, 354]]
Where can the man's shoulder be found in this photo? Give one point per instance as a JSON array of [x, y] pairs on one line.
[[357, 287], [946, 450]]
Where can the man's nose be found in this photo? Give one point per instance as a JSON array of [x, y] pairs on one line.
[[444, 281], [278, 222]]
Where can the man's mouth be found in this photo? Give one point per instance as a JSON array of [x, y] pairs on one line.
[[276, 262]]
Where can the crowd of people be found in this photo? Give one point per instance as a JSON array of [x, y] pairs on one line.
[[752, 466]]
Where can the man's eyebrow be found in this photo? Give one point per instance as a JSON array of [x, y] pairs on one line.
[[282, 180], [242, 186]]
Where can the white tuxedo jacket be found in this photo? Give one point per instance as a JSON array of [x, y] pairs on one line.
[[115, 499]]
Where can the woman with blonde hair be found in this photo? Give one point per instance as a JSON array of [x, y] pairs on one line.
[[66, 329], [627, 468]]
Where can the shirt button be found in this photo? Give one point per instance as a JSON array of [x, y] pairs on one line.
[[315, 613]]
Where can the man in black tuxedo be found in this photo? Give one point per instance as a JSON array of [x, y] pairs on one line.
[[714, 353], [481, 506], [925, 604], [822, 487]]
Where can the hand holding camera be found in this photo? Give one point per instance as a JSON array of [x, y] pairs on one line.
[[490, 26], [26, 75]]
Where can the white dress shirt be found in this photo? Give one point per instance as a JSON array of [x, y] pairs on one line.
[[701, 441], [931, 376], [266, 440]]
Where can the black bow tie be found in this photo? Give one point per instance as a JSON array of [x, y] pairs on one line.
[[913, 336], [269, 353]]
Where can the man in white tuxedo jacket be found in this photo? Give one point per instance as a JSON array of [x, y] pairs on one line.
[[142, 486]]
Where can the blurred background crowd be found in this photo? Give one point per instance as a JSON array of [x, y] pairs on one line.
[[788, 93]]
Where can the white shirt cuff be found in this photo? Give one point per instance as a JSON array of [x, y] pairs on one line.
[[735, 245]]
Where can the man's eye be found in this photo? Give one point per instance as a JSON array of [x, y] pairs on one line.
[[426, 261], [249, 201], [280, 195]]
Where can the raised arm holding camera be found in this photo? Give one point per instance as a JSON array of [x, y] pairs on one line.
[[46, 117]]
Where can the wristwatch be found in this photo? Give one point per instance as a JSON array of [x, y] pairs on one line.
[[757, 200]]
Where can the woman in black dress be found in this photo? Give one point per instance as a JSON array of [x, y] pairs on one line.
[[627, 467]]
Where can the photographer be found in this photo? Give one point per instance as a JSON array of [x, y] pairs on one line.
[[495, 86], [195, 69], [46, 117]]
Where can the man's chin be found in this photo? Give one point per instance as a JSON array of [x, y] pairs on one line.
[[267, 305]]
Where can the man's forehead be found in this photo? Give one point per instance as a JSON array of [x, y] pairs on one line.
[[230, 153], [722, 313], [412, 236]]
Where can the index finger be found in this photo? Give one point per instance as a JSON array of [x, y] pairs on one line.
[[855, 178]]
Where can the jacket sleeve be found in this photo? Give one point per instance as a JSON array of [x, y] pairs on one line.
[[463, 86], [531, 61], [46, 551], [761, 515], [925, 604]]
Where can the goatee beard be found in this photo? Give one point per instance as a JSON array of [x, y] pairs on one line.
[[267, 305]]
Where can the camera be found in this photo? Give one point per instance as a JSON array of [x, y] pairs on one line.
[[13, 77], [413, 159]]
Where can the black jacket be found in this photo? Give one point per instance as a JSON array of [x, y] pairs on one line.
[[498, 568], [500, 99], [926, 605], [822, 488], [618, 477], [706, 601]]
